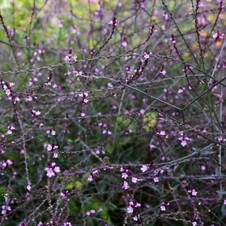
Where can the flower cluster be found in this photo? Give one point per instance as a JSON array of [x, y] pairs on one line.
[[133, 205], [69, 58], [90, 212], [126, 174], [92, 175], [7, 88], [6, 207], [52, 169]]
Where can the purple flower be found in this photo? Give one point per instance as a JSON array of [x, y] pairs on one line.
[[144, 168], [125, 185], [52, 169]]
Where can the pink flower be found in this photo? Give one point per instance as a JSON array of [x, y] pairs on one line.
[[90, 213], [9, 162], [28, 186], [51, 147], [5, 209], [144, 168], [132, 206], [193, 192], [163, 208], [124, 175], [85, 100], [130, 209], [125, 185], [52, 132], [69, 58], [35, 113], [67, 224], [55, 155], [83, 114], [10, 129], [183, 143], [135, 218], [52, 169], [90, 178], [173, 40], [147, 55], [156, 179], [203, 168], [92, 175], [134, 180], [181, 90]]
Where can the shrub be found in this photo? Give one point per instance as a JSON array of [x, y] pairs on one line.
[[112, 113]]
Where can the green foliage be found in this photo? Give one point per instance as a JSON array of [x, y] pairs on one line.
[[150, 120]]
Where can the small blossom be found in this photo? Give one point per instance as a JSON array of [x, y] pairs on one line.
[[144, 168], [64, 193], [163, 72], [55, 155], [67, 224], [51, 147], [163, 208], [92, 175], [9, 162], [5, 209], [183, 143], [85, 100], [122, 169], [124, 175], [28, 99], [28, 186], [147, 55], [70, 58], [35, 113], [162, 133], [52, 169], [183, 138], [218, 35], [60, 23], [156, 179], [130, 209], [113, 22], [132, 206], [134, 180], [173, 40], [135, 218], [142, 111], [193, 192], [181, 90], [6, 198], [90, 178], [125, 185], [52, 132], [203, 168], [124, 42], [90, 213], [10, 129], [165, 16]]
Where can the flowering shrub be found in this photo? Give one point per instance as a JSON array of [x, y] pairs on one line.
[[112, 112]]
